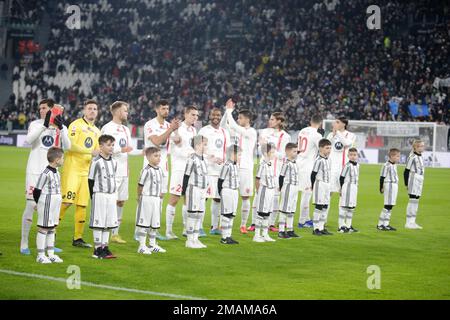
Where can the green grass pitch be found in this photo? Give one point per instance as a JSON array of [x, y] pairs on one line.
[[414, 264]]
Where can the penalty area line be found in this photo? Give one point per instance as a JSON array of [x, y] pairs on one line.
[[101, 286]]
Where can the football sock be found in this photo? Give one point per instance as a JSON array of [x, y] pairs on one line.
[[316, 219], [258, 225], [50, 243], [411, 210], [274, 214], [290, 222], [170, 216], [190, 225], [265, 227], [27, 222], [384, 217], [254, 213], [115, 231], [142, 235], [97, 238], [80, 219], [224, 223], [323, 219], [282, 222], [41, 238], [342, 215], [105, 238], [349, 217], [245, 210], [215, 214], [304, 207], [152, 237]]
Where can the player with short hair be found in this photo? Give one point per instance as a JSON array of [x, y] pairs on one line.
[[308, 149], [320, 182], [265, 186], [227, 186], [218, 141], [389, 187], [289, 183], [42, 135], [47, 195], [103, 192], [180, 146], [245, 137], [195, 184], [83, 135], [349, 192], [121, 133], [148, 211], [413, 177]]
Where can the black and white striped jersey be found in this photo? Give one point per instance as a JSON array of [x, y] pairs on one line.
[[151, 181], [322, 168], [290, 172], [197, 170], [389, 172], [230, 175], [49, 181], [265, 174], [351, 172], [415, 164], [103, 172]]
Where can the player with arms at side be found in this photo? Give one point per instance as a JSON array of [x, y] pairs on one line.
[[41, 136], [83, 135], [245, 137], [308, 149], [180, 150], [122, 147]]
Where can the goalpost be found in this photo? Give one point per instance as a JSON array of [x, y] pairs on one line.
[[375, 138]]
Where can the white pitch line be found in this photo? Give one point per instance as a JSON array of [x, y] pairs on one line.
[[102, 286]]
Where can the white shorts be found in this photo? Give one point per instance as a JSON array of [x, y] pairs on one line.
[[304, 176], [335, 185], [229, 201], [289, 195], [390, 191], [264, 201], [103, 211], [148, 212], [246, 182], [212, 192], [122, 188], [48, 210], [321, 193], [349, 193], [415, 184], [176, 182], [30, 182], [195, 199]]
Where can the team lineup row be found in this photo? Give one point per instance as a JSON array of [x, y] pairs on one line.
[[217, 163]]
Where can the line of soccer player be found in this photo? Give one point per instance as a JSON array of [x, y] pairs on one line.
[[216, 163]]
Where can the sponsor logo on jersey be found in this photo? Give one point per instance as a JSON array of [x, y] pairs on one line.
[[122, 142], [338, 145], [88, 142], [48, 141], [219, 143]]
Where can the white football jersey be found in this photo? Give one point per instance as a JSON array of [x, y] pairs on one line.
[[340, 143], [123, 139], [154, 128], [245, 138], [180, 153], [308, 145], [218, 142], [41, 139], [280, 139]]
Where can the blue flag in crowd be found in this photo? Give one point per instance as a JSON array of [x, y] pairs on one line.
[[418, 110], [394, 107]]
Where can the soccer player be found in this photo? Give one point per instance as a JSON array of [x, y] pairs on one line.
[[41, 135], [289, 183], [308, 149], [148, 211], [245, 137], [227, 186], [83, 135], [47, 194], [195, 183], [349, 192], [122, 147], [279, 138], [265, 186], [320, 182], [218, 141], [180, 150], [103, 192], [389, 187], [413, 176]]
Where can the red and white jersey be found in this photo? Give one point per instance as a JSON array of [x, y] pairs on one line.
[[41, 139], [154, 128], [340, 143], [308, 146], [245, 138], [180, 153], [280, 139], [122, 135], [218, 142]]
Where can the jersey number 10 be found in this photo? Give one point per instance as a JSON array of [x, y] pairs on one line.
[[302, 144]]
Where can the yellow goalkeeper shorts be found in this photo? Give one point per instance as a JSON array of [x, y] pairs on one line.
[[74, 188]]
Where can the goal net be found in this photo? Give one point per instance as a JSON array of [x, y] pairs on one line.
[[375, 138]]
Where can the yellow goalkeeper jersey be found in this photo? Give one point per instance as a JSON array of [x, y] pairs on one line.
[[84, 138]]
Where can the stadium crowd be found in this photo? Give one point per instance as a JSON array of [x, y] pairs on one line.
[[273, 55]]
